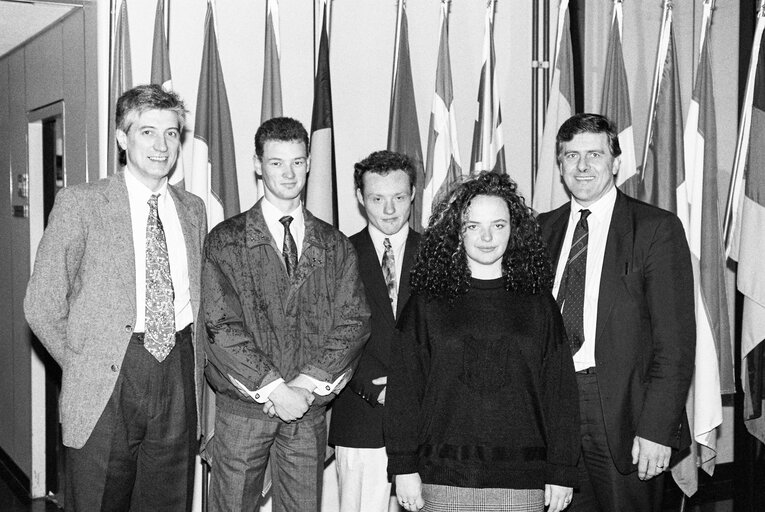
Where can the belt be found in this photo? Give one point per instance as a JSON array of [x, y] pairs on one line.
[[179, 335], [587, 371]]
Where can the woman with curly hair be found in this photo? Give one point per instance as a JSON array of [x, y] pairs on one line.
[[482, 410]]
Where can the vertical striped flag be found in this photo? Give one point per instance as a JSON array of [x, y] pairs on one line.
[[271, 104], [161, 75], [704, 404], [321, 189], [213, 175], [488, 150], [549, 191], [121, 78], [403, 128], [443, 166], [615, 104], [663, 181], [745, 225]]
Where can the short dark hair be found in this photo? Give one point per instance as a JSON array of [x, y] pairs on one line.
[[383, 162], [587, 123], [283, 129], [138, 100]]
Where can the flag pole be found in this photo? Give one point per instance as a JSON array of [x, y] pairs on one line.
[[658, 69], [399, 10], [734, 190]]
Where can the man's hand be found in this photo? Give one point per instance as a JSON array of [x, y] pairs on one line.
[[651, 458], [409, 491], [289, 403], [379, 381], [557, 497]]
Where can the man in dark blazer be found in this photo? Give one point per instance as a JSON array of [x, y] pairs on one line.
[[114, 292], [629, 319], [385, 185]]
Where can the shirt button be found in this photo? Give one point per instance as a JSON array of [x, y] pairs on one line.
[[327, 387], [128, 328], [257, 396], [115, 368]]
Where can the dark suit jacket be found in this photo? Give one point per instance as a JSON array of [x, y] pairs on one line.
[[81, 300], [357, 418], [646, 331]]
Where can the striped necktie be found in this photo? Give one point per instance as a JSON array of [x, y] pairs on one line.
[[571, 292], [389, 272], [159, 337]]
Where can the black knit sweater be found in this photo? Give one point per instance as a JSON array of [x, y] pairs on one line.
[[482, 392]]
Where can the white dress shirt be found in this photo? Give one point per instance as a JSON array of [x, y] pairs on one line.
[[398, 244], [598, 223], [138, 197]]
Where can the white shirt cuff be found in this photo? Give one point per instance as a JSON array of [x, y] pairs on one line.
[[259, 395], [325, 388]]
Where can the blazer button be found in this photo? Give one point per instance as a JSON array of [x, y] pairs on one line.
[[115, 368], [128, 328]]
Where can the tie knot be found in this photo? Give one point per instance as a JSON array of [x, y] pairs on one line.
[[286, 221], [153, 201], [584, 214], [386, 244]]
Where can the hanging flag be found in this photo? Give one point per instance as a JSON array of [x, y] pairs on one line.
[[549, 192], [403, 128], [745, 234], [271, 104], [161, 75], [443, 161], [213, 176], [121, 79], [321, 189], [488, 151], [663, 181], [615, 104], [704, 403]]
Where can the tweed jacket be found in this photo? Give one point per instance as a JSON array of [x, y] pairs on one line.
[[80, 300], [262, 325]]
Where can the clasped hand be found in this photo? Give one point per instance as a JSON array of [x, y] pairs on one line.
[[288, 401]]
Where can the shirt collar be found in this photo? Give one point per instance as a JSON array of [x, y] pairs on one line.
[[272, 214], [598, 209], [141, 192], [397, 240]]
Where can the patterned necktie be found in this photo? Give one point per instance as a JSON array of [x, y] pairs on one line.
[[571, 292], [389, 272], [159, 338], [289, 248]]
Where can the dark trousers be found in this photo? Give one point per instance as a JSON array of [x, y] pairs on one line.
[[140, 456], [241, 449], [603, 487]]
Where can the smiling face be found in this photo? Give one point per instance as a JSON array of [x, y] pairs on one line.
[[283, 167], [151, 145], [485, 234], [587, 166], [387, 199]]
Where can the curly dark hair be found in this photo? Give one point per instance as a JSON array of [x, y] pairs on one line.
[[441, 268]]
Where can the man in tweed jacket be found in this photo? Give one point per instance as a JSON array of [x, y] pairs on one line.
[[129, 416]]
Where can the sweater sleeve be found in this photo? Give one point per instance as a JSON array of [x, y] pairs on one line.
[[407, 377], [560, 398]]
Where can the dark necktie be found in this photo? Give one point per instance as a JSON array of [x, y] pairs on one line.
[[571, 291], [389, 272], [159, 337], [289, 248]]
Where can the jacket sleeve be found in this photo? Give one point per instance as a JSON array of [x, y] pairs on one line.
[[54, 278], [668, 282], [407, 378], [229, 346], [344, 341], [560, 397]]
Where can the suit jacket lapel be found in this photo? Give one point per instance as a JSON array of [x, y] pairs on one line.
[[558, 233], [190, 230], [410, 251], [616, 261], [116, 210], [378, 291]]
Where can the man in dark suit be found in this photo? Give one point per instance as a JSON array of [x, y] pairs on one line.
[[386, 248], [113, 295], [624, 281]]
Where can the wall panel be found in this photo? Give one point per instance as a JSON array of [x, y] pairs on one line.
[[44, 68], [75, 115]]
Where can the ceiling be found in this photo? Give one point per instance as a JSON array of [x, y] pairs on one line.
[[20, 20]]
